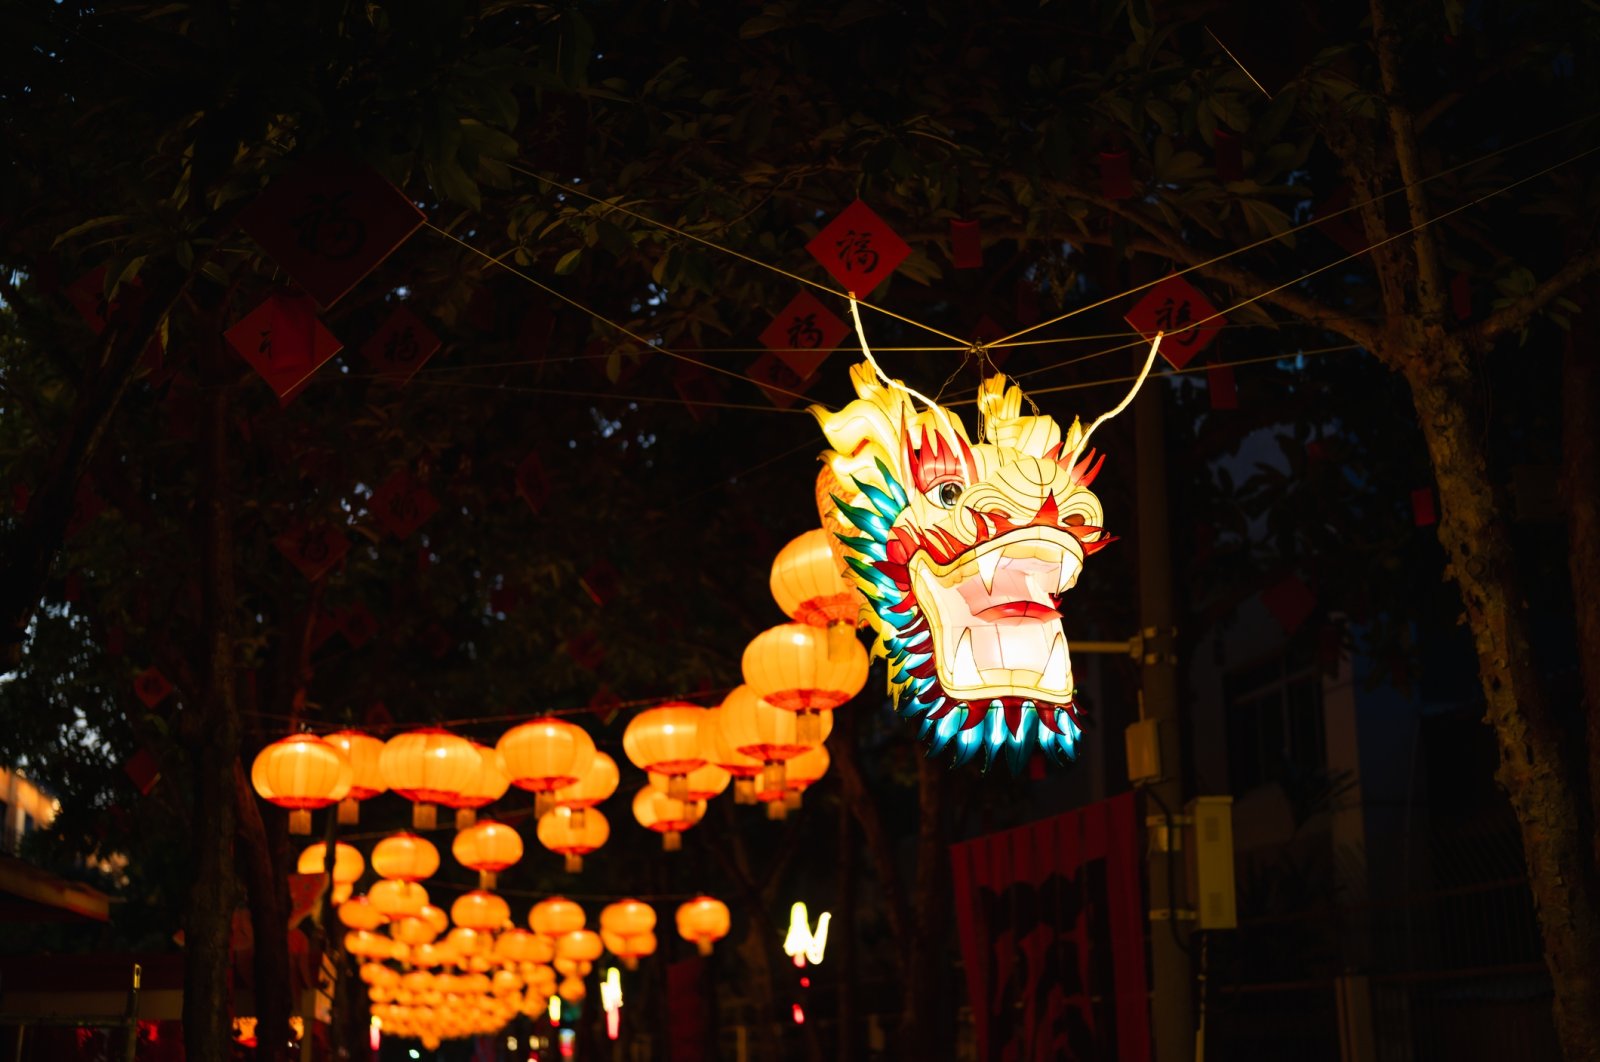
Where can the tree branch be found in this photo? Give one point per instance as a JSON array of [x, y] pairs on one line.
[[1430, 282], [1512, 317]]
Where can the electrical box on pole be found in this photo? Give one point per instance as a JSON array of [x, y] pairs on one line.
[[1210, 862]]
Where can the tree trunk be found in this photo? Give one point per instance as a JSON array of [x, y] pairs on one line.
[[1580, 456], [212, 737], [1532, 768], [264, 879], [924, 1017]]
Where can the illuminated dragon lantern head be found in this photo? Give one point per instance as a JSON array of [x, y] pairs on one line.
[[962, 550]]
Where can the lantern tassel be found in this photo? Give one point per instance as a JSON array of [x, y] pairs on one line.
[[678, 786], [300, 822], [772, 779], [808, 728], [791, 800], [704, 946], [465, 817], [671, 841], [574, 863], [631, 962], [486, 879], [744, 790], [349, 812], [776, 811], [578, 819], [424, 817]]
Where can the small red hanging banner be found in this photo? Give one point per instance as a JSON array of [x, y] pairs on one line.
[[1290, 601], [858, 248], [401, 504], [966, 244], [532, 483], [151, 687], [87, 295], [605, 704], [143, 770], [803, 334], [86, 505], [600, 582], [777, 381], [586, 650], [284, 342], [1116, 178], [329, 223], [1175, 306], [313, 548], [1423, 513], [358, 624], [698, 390], [1220, 386], [400, 346], [1229, 156], [1338, 223], [1461, 296]]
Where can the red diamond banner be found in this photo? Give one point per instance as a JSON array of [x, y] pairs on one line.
[[401, 504], [284, 342], [151, 687], [400, 346], [858, 248], [803, 334], [329, 223], [700, 392], [313, 549], [777, 381], [1175, 307]]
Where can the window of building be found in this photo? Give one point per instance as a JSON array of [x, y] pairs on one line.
[[1275, 723]]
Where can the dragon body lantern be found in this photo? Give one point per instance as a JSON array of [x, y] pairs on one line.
[[962, 550]]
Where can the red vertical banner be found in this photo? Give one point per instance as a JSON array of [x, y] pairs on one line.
[[1052, 937], [1221, 387], [966, 244], [689, 1011]]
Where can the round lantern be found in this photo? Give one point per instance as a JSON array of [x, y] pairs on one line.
[[627, 930], [572, 967], [555, 916], [666, 739], [366, 775], [629, 949], [348, 866], [467, 943], [768, 733], [596, 785], [545, 755], [428, 766], [358, 913], [364, 944], [560, 832], [435, 917], [484, 785], [405, 857], [809, 587], [398, 899], [481, 910], [301, 772], [341, 893], [375, 973], [701, 784], [413, 930], [791, 666], [572, 990], [505, 983], [703, 921], [580, 945], [438, 953], [719, 752], [520, 946], [666, 815], [804, 771], [487, 847]]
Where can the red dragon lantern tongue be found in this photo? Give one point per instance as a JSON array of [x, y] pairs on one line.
[[963, 550]]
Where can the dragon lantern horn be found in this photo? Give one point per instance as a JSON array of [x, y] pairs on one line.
[[1080, 442], [939, 412]]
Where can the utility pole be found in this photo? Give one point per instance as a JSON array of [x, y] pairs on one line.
[[1172, 1000]]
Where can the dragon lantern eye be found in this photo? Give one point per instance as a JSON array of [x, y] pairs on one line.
[[944, 495]]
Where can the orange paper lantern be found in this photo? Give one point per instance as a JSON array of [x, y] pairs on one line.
[[520, 946], [666, 815], [428, 766], [301, 772], [795, 667], [561, 832], [719, 751], [555, 916], [481, 910], [703, 921], [405, 857], [397, 898], [358, 913], [348, 866], [768, 733], [487, 847], [596, 785], [700, 784], [483, 786], [366, 774], [545, 755], [666, 739], [808, 585]]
